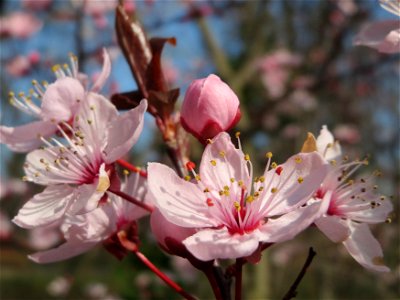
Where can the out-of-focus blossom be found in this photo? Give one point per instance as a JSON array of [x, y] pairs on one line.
[[60, 286], [79, 173], [19, 25], [303, 99], [348, 7], [353, 204], [96, 290], [22, 65], [233, 214], [347, 133], [41, 238], [36, 4], [383, 35], [85, 231], [58, 103], [275, 70], [210, 107], [184, 268], [12, 187], [291, 131]]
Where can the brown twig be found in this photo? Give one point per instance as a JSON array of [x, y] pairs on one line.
[[292, 292]]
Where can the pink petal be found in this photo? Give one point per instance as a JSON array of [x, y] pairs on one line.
[[87, 198], [289, 225], [25, 138], [364, 248], [382, 35], [209, 244], [334, 228], [365, 214], [327, 146], [391, 43], [65, 251], [61, 99], [105, 72], [312, 169], [181, 202], [46, 207], [230, 164], [123, 132]]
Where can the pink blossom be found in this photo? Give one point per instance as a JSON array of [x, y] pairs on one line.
[[353, 204], [36, 4], [18, 66], [210, 107], [230, 213], [347, 133], [41, 238], [19, 25], [5, 226], [55, 104], [79, 173], [275, 70], [85, 231], [383, 35]]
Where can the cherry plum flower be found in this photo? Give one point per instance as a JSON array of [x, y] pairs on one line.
[[382, 35], [83, 232], [353, 204], [230, 213], [79, 173], [58, 103], [19, 25]]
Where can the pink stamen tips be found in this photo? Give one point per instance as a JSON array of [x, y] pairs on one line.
[[190, 166], [209, 202], [279, 170]]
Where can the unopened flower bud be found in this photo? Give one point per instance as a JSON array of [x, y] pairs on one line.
[[210, 107]]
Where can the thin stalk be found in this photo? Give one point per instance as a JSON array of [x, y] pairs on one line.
[[163, 277], [209, 272], [132, 168], [238, 278], [132, 200]]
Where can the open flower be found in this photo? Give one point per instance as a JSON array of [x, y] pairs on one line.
[[56, 103], [79, 173], [383, 35], [353, 203], [231, 213], [83, 232]]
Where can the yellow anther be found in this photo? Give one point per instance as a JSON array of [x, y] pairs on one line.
[[206, 190], [31, 91], [126, 172], [232, 180], [388, 220], [92, 107], [350, 181], [262, 178], [240, 183], [269, 154], [45, 83], [261, 188], [366, 162], [197, 177], [37, 174], [377, 173], [24, 178], [333, 162], [90, 122], [249, 199], [246, 157], [222, 153], [209, 141], [329, 145], [65, 66], [187, 177], [226, 188], [21, 94], [237, 205], [34, 82], [300, 180], [256, 194], [274, 190], [298, 160], [237, 134], [375, 187], [11, 94], [221, 193], [274, 165], [382, 198], [213, 162], [256, 179], [226, 192], [55, 68], [42, 160]]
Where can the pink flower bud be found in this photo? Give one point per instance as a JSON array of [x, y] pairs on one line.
[[210, 107]]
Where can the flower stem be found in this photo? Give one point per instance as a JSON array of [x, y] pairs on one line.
[[238, 278], [132, 168], [164, 277], [209, 272], [132, 200], [292, 291]]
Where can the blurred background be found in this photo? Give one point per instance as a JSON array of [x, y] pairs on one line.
[[294, 69]]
